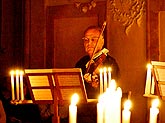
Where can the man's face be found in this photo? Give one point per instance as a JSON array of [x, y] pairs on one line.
[[90, 41]]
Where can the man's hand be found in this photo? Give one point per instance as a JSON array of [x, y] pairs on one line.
[[95, 81], [92, 79]]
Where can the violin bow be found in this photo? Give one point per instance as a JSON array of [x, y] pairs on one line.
[[94, 51]]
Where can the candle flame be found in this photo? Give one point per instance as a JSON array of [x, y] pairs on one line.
[[119, 92], [101, 70], [12, 72], [109, 69], [127, 105], [21, 72], [149, 66], [105, 69], [74, 99], [155, 103], [17, 72]]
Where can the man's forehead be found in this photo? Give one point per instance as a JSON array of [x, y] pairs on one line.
[[92, 32]]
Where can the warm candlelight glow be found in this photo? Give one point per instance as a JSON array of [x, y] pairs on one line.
[[105, 79], [21, 85], [112, 85], [101, 81], [155, 103], [127, 105], [17, 84], [100, 109], [109, 69], [73, 108], [12, 85], [126, 114], [74, 99], [154, 111], [148, 79], [109, 75], [109, 102], [118, 105], [149, 66], [112, 110]]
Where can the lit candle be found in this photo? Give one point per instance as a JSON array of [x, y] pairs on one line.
[[148, 79], [105, 79], [21, 85], [109, 108], [126, 113], [109, 76], [118, 105], [154, 111], [73, 109], [112, 85], [12, 85], [100, 109], [110, 103], [113, 104], [17, 84], [152, 85], [101, 81]]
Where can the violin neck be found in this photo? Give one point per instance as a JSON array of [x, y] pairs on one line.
[[105, 51]]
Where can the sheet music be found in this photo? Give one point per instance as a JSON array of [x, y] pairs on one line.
[[68, 80]]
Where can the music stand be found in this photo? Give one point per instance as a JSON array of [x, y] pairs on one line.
[[159, 75], [55, 86]]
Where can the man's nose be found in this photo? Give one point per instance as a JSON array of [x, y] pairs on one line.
[[90, 41]]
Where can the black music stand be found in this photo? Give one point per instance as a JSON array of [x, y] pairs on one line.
[[55, 86]]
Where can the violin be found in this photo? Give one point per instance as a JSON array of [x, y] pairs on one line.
[[98, 59], [93, 63], [91, 75]]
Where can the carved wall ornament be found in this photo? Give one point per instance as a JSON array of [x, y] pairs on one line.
[[127, 12], [84, 7]]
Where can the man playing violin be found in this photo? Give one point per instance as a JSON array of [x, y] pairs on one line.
[[96, 58]]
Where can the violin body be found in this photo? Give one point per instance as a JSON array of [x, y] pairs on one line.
[[91, 75], [98, 61]]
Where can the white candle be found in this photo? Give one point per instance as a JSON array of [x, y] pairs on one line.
[[105, 79], [113, 104], [12, 85], [101, 81], [110, 103], [109, 76], [126, 113], [112, 85], [17, 84], [100, 109], [109, 106], [154, 111], [21, 85], [73, 109], [152, 85], [148, 79], [118, 105]]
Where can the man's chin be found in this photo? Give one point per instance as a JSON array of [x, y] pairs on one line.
[[90, 52]]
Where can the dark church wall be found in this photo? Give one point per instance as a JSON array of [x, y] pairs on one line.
[[12, 35]]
